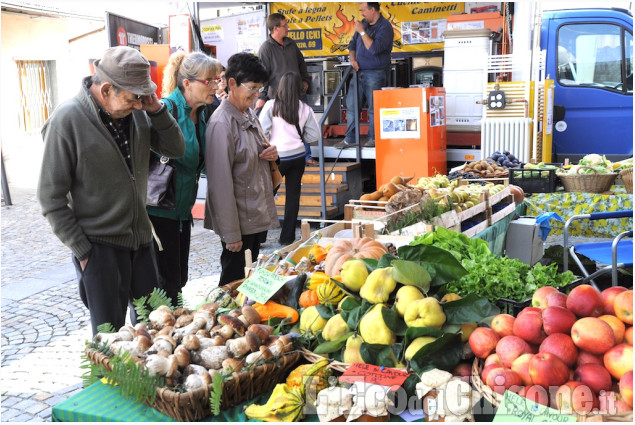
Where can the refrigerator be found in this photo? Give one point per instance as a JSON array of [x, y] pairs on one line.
[[410, 133]]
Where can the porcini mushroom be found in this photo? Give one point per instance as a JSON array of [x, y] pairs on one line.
[[161, 317], [195, 381], [230, 324], [263, 331], [246, 344], [183, 320], [212, 357], [158, 365], [249, 315], [191, 342], [183, 357], [232, 365]]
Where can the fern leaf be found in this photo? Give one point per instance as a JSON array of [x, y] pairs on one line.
[[215, 397], [180, 301], [106, 328], [159, 297], [140, 307]]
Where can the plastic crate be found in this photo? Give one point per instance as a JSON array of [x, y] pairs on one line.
[[514, 307], [534, 180]]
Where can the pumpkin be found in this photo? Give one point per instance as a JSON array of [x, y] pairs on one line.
[[303, 375], [345, 249], [272, 309], [309, 298], [317, 254], [518, 193], [330, 293], [317, 279], [221, 297]]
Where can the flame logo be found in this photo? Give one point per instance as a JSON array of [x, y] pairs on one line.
[[341, 35]]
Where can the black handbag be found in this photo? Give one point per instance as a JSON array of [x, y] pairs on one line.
[[162, 177]]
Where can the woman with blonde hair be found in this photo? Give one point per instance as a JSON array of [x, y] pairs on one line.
[[190, 81]]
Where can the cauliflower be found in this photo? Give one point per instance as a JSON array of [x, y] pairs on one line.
[[593, 159]]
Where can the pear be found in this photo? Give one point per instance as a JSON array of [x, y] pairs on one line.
[[378, 287], [351, 353], [354, 273], [416, 345], [373, 329], [406, 295], [335, 328]]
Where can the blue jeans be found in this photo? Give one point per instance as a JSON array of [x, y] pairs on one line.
[[369, 81]]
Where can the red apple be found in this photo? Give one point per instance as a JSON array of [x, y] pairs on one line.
[[492, 359], [503, 324], [548, 370], [528, 309], [593, 335], [521, 367], [619, 328], [595, 376], [535, 393], [557, 299], [562, 346], [487, 369], [528, 326], [626, 387], [557, 320], [619, 360], [608, 298], [463, 370], [623, 306], [540, 296], [585, 301], [584, 357], [509, 348], [502, 379], [612, 403], [628, 335], [576, 397], [483, 341]]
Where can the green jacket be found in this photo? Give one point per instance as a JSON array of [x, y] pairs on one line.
[[86, 190], [187, 166]]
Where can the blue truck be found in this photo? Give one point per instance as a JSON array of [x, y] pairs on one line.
[[590, 59]]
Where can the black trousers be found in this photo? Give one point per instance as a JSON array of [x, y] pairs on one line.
[[174, 259], [292, 172], [233, 263], [113, 278]]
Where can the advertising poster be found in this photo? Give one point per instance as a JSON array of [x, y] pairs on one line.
[[127, 32], [325, 29], [437, 111], [400, 123]]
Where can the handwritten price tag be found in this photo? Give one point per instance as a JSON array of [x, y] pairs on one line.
[[262, 285], [515, 408], [371, 374]]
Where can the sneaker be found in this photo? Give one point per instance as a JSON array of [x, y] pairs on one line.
[[370, 144], [344, 144]]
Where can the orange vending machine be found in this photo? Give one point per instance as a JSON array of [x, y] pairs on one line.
[[410, 137]]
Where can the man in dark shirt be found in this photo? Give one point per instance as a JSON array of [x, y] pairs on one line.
[[369, 51]]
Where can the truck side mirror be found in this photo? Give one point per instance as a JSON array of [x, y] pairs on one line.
[[558, 113]]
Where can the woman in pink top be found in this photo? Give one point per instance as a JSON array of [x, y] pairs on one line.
[[288, 123]]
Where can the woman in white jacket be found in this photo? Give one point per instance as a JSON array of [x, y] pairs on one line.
[[288, 123]]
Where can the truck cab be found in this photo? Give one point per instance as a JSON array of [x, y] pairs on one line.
[[590, 59]]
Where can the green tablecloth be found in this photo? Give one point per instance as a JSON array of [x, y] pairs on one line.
[[568, 204]]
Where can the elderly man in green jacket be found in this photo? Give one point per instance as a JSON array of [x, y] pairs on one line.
[[93, 181]]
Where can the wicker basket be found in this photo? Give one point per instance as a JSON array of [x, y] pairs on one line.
[[495, 399], [592, 183], [627, 177], [194, 405]]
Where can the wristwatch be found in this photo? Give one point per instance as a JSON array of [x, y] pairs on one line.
[[363, 33]]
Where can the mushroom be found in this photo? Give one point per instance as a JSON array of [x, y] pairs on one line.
[[203, 333], [163, 342], [142, 332], [125, 333], [263, 331], [161, 317], [263, 354], [158, 365], [211, 307], [195, 381], [249, 315], [183, 357], [206, 343], [230, 325], [232, 365], [180, 312], [167, 330], [246, 344], [281, 346], [191, 342], [212, 357], [197, 323], [183, 320], [218, 340], [193, 369], [137, 347]]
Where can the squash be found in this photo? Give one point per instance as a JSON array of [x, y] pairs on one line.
[[317, 279], [309, 298], [317, 254], [272, 309], [345, 249], [330, 293], [221, 297], [518, 193]]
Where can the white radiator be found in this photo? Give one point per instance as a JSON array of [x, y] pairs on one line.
[[506, 134]]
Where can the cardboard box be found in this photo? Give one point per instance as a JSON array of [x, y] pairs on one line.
[[522, 241]]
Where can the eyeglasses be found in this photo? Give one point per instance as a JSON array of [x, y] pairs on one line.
[[253, 89], [208, 82]]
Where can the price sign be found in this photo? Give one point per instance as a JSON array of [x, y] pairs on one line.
[[371, 374], [262, 285], [515, 408]]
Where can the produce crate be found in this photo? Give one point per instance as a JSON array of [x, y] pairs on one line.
[[534, 180], [356, 209], [504, 207]]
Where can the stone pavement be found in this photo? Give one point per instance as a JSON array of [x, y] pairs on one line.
[[43, 322]]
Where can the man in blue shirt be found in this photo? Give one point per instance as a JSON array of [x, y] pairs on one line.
[[369, 50]]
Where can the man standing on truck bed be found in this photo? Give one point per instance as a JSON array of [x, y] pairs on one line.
[[369, 50]]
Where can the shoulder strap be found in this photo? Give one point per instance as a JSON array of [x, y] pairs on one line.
[[297, 127], [173, 110]]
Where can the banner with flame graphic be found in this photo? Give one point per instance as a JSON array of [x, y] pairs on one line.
[[325, 29]]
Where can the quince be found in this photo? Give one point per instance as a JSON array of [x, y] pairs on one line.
[[378, 287], [466, 331], [425, 312], [451, 296], [351, 353], [354, 274], [373, 329], [311, 321], [406, 295], [335, 328], [416, 345]]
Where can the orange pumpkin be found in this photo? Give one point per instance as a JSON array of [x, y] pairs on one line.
[[309, 298], [518, 193], [352, 248], [317, 254]]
